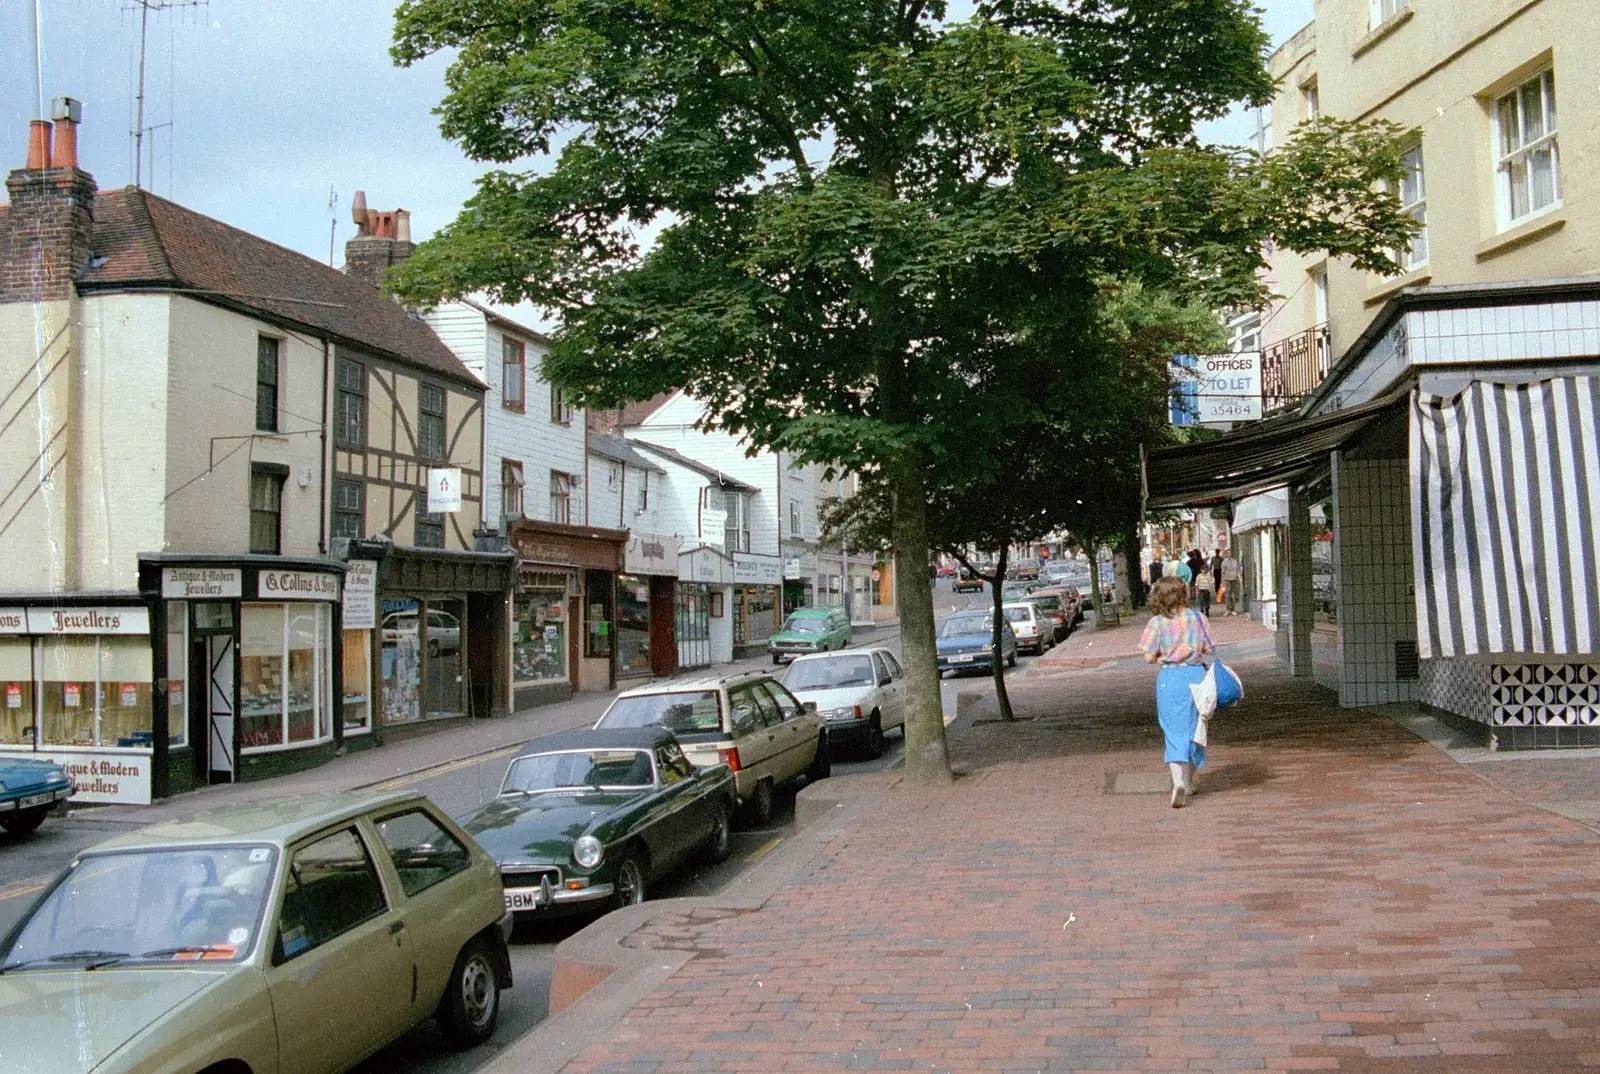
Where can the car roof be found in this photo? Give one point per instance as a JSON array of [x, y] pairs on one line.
[[690, 686], [808, 613], [1017, 604], [602, 738], [861, 651], [279, 821]]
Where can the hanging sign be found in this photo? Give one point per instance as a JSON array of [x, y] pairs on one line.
[[1216, 388], [196, 583], [444, 489]]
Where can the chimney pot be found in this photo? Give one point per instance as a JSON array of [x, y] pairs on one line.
[[65, 152], [38, 145], [67, 108], [402, 225], [358, 213]]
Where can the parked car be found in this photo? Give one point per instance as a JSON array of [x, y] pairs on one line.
[[809, 630], [967, 582], [1034, 631], [947, 571], [1053, 608], [965, 643], [295, 936], [748, 722], [29, 789], [860, 694], [1028, 570], [590, 819]]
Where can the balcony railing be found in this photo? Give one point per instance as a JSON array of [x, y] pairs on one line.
[[1292, 368]]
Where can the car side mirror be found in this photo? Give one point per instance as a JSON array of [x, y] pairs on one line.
[[809, 706]]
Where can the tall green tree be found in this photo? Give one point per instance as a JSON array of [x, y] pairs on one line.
[[861, 204]]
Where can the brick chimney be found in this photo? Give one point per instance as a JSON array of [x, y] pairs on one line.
[[51, 219], [382, 239]]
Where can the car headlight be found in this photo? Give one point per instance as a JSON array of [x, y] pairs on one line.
[[587, 851], [988, 649], [846, 713]]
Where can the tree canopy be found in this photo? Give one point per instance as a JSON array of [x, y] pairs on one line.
[[868, 218]]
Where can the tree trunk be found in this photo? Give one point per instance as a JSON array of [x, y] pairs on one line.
[[927, 758], [997, 662]]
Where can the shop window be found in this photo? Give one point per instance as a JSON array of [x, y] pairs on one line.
[[177, 674], [539, 647], [283, 677], [267, 384], [16, 674], [429, 525], [357, 679], [1528, 176], [597, 624], [510, 488], [350, 405], [266, 508], [332, 888], [560, 496], [349, 507], [423, 852], [402, 661], [430, 422], [96, 692], [633, 625], [693, 620], [444, 671], [513, 374]]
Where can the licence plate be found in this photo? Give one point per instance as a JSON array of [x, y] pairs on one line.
[[523, 899], [960, 659], [37, 799]]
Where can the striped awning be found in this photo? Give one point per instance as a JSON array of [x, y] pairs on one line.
[[1505, 512]]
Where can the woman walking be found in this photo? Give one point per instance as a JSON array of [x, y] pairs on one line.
[[1178, 639]]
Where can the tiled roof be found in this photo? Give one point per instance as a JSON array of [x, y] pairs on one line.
[[144, 240]]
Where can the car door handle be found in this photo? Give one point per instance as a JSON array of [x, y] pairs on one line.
[[396, 927]]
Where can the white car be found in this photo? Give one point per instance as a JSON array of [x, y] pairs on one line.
[[861, 693], [748, 722], [1034, 629]]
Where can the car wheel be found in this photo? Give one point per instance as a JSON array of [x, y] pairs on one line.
[[822, 761], [471, 1005], [23, 821], [718, 843], [629, 886], [775, 660], [875, 746], [760, 804]]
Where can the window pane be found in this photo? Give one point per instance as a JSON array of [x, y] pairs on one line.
[[125, 716], [1550, 100], [69, 698], [422, 851], [16, 679], [357, 680], [1518, 171], [1510, 138], [332, 889], [1532, 96], [261, 675], [302, 672], [539, 646]]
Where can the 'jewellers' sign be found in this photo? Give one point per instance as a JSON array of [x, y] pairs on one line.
[[648, 554], [121, 777], [296, 585], [88, 621]]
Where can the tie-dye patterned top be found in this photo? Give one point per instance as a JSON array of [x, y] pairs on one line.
[[1181, 639]]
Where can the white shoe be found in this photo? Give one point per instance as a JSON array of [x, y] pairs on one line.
[[1180, 796]]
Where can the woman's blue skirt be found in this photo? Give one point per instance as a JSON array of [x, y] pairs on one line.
[[1175, 709]]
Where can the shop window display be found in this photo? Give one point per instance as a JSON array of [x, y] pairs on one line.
[[125, 710], [444, 671], [402, 661], [67, 716], [177, 673], [304, 673], [357, 679], [16, 710], [633, 625], [283, 695], [539, 649], [95, 692]]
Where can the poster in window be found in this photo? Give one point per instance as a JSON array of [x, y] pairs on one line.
[[13, 695], [71, 695]]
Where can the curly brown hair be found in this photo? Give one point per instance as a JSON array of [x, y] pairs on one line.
[[1168, 596]]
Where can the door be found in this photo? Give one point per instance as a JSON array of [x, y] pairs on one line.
[[893, 709], [683, 822], [431, 866], [798, 731], [220, 714], [342, 977], [755, 735]]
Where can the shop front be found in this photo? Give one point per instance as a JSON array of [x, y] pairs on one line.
[[646, 607], [757, 602], [801, 585], [254, 659], [563, 618], [442, 635]]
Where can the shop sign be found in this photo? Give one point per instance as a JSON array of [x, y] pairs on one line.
[[791, 569], [444, 489], [704, 565], [649, 554], [102, 778], [756, 570], [560, 551], [713, 526], [88, 621], [13, 621], [201, 583], [1215, 388], [361, 595], [296, 585]]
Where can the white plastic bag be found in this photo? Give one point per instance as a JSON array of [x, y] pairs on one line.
[[1205, 693]]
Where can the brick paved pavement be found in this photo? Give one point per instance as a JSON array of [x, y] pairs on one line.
[[1340, 896]]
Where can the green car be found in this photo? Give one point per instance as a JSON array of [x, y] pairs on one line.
[[810, 630], [289, 937], [589, 819]]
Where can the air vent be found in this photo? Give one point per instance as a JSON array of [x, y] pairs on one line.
[[1407, 664]]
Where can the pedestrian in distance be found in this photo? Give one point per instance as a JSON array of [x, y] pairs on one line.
[[1204, 590], [1232, 582], [1179, 639], [1182, 573], [1197, 565], [1216, 571]]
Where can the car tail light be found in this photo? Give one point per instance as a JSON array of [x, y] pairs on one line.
[[729, 758]]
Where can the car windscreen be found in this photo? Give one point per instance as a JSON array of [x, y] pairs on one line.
[[805, 625], [965, 624], [166, 906], [1018, 615], [587, 768], [1052, 603], [829, 674], [682, 712]]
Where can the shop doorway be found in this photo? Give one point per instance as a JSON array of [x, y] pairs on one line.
[[212, 715]]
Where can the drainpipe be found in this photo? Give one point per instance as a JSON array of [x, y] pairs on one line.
[[325, 463]]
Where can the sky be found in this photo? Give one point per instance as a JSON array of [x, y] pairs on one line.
[[261, 108]]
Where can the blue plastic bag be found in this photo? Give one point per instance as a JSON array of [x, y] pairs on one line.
[[1230, 690]]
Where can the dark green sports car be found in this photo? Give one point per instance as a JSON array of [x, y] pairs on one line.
[[590, 818]]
